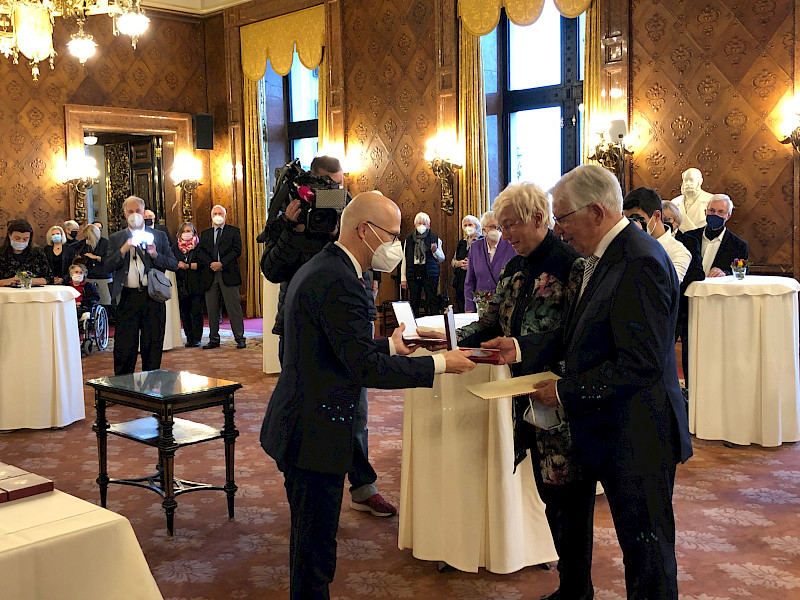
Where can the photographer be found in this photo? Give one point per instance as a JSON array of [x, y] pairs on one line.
[[289, 245]]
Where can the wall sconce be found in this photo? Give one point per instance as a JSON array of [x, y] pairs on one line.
[[187, 174], [81, 172], [445, 158], [611, 153], [790, 125]]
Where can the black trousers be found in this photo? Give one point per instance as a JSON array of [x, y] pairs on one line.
[[570, 514], [140, 327], [427, 285], [191, 307], [315, 500]]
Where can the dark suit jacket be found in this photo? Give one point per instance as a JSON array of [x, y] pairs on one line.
[[328, 356], [230, 249], [163, 228], [117, 264], [620, 386], [731, 247]]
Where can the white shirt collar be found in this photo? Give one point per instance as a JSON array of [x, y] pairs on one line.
[[356, 264], [609, 237]]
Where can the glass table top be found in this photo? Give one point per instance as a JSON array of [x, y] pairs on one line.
[[162, 383]]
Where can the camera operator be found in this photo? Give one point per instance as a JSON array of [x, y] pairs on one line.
[[289, 245]]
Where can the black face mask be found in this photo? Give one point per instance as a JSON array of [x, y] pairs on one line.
[[669, 225], [73, 234], [148, 222]]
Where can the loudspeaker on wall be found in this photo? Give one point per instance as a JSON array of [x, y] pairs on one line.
[[203, 131]]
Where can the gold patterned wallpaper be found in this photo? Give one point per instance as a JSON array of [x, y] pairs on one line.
[[708, 83], [167, 72], [391, 103]]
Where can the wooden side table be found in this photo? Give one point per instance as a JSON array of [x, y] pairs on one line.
[[165, 394]]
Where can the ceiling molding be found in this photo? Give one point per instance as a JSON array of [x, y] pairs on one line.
[[191, 7]]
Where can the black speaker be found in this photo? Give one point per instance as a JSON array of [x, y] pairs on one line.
[[203, 131]]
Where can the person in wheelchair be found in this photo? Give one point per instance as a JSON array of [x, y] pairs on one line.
[[92, 317], [89, 295]]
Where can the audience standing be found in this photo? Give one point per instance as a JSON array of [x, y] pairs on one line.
[[71, 228], [150, 221], [218, 253], [471, 227], [190, 286], [140, 319], [487, 257], [419, 273], [59, 254], [19, 254]]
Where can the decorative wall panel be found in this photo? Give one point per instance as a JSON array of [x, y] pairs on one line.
[[391, 103], [708, 81], [167, 71]]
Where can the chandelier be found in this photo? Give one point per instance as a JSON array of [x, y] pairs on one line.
[[26, 27]]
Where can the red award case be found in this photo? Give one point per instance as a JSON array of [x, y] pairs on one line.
[[25, 485]]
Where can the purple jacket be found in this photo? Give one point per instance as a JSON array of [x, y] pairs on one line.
[[481, 275]]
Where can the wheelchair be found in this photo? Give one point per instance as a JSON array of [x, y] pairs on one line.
[[94, 330]]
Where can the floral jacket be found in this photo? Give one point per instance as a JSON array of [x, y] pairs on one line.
[[533, 297]]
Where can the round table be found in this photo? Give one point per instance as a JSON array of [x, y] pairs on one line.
[[41, 378], [460, 500], [744, 382]]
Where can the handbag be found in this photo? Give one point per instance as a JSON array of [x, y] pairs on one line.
[[159, 287]]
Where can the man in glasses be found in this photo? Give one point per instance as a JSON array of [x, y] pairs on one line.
[[719, 246]]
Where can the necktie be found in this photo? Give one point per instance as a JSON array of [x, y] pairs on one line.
[[363, 283], [216, 243], [591, 263]]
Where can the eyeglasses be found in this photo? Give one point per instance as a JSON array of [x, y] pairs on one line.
[[722, 212], [508, 225], [395, 236], [560, 220], [493, 228]]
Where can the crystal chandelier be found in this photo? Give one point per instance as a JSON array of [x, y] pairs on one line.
[[26, 27]]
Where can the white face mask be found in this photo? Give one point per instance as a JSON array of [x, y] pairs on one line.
[[650, 228], [76, 279], [218, 220], [19, 246], [469, 229], [387, 256], [187, 236], [493, 235], [135, 221], [421, 229]]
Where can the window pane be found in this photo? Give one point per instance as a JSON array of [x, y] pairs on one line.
[[489, 57], [535, 146], [305, 149], [304, 89], [581, 44], [535, 51], [493, 150]]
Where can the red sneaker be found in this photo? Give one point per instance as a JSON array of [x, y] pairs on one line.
[[376, 505]]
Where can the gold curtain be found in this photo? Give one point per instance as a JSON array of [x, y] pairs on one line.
[[323, 127], [473, 196], [275, 40], [592, 85], [481, 16], [256, 209]]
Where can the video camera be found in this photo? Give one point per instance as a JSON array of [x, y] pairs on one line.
[[321, 199]]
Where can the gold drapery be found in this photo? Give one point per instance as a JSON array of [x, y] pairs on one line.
[[481, 16], [592, 85], [255, 210], [473, 185], [275, 40], [323, 127]]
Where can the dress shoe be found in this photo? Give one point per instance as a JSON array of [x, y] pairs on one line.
[[241, 344], [211, 345], [376, 505], [192, 344]]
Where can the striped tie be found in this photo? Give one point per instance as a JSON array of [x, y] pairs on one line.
[[591, 263]]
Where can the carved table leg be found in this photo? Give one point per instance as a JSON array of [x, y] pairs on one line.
[[166, 458], [229, 434], [101, 429]]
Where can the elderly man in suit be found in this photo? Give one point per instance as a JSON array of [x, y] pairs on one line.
[[329, 355], [718, 246], [619, 387], [218, 251], [132, 253]]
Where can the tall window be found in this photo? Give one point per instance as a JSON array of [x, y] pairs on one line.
[[534, 87], [302, 86]]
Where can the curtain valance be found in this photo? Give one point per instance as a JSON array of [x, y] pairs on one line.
[[275, 40], [481, 16]]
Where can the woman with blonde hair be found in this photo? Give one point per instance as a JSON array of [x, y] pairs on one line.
[[91, 250], [471, 227], [59, 254]]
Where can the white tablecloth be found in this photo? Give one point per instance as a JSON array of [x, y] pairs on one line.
[[269, 310], [57, 546], [744, 384], [41, 378], [172, 331], [460, 502]]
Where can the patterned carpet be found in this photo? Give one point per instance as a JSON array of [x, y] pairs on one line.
[[737, 510]]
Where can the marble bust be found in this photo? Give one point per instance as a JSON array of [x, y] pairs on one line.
[[693, 200]]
